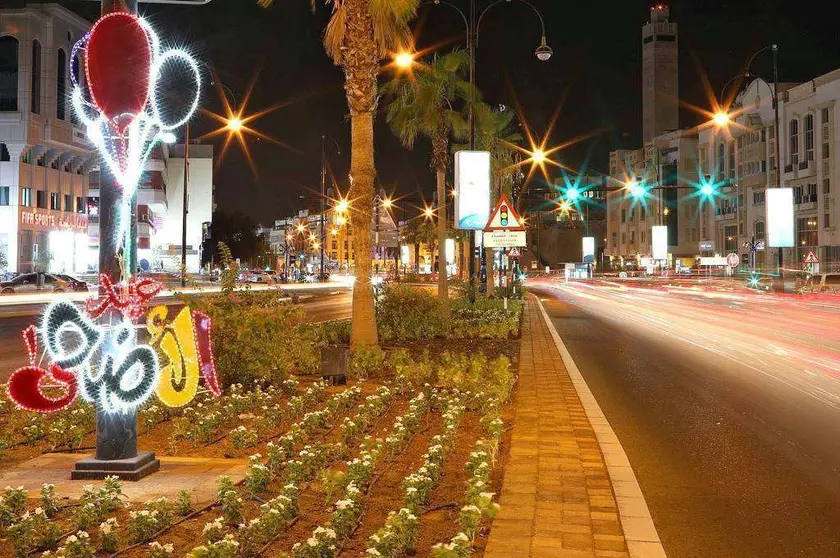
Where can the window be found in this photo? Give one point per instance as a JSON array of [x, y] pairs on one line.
[[721, 160], [632, 237], [806, 231], [36, 78], [5, 156], [55, 201], [826, 186], [771, 132], [730, 238], [643, 216], [731, 159], [826, 220], [643, 235], [623, 215], [26, 197], [759, 230], [68, 202], [61, 86], [335, 245], [758, 197], [826, 151], [614, 239], [809, 137], [623, 238], [80, 204], [41, 199], [74, 67], [8, 73], [794, 142], [4, 195], [824, 115]]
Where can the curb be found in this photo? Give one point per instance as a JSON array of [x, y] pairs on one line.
[[639, 530]]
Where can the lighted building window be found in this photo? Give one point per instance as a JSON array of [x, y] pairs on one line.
[[55, 201], [26, 197], [806, 231], [759, 230], [809, 137], [68, 202], [4, 195], [41, 199], [8, 73]]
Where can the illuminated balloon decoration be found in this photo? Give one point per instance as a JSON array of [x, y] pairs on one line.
[[124, 63], [104, 364]]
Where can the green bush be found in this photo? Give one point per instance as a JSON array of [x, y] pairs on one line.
[[258, 337], [335, 332], [366, 362], [406, 313]]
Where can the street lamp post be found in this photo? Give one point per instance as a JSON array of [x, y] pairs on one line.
[[722, 119], [543, 53]]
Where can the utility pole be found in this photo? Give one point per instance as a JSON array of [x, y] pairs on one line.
[[775, 49], [323, 193], [186, 206]]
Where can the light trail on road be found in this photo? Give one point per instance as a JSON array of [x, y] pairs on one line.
[[790, 339]]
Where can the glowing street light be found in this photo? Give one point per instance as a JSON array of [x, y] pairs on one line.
[[342, 206], [538, 156], [404, 60], [334, 232], [428, 212], [572, 193], [565, 206], [234, 124], [387, 203], [300, 228], [636, 190], [721, 119], [707, 190]]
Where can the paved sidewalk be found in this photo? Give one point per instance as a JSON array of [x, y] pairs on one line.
[[556, 497]]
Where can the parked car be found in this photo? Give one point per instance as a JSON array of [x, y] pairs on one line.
[[820, 283], [35, 282]]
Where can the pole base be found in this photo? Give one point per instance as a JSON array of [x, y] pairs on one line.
[[134, 469]]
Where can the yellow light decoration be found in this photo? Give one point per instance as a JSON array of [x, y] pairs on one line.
[[179, 377]]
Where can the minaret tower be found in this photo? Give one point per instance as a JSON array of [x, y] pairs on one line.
[[660, 73]]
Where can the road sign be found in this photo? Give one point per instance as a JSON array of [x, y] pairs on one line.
[[811, 258], [504, 218], [716, 261], [514, 253], [504, 239], [733, 259]]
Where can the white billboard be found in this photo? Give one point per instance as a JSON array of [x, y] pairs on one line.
[[405, 255], [472, 189], [779, 203], [450, 251], [588, 249], [659, 242]]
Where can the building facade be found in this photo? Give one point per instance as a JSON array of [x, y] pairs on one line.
[[160, 204], [741, 161], [45, 159]]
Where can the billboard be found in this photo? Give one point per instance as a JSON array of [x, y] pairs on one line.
[[450, 251], [779, 204], [472, 189], [588, 249], [405, 255], [659, 242]]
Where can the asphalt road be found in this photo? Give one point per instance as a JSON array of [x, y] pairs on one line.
[[728, 406], [320, 305]]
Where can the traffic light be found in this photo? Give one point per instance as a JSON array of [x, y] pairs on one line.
[[503, 215]]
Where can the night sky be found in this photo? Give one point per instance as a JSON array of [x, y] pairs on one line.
[[593, 78]]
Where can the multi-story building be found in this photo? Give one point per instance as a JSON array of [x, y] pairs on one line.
[[741, 162], [660, 73], [160, 206], [665, 174], [45, 158]]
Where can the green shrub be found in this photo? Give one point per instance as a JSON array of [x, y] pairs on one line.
[[366, 362], [257, 337], [335, 332], [406, 313]]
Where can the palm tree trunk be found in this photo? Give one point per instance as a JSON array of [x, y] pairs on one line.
[[463, 264], [363, 332], [443, 289]]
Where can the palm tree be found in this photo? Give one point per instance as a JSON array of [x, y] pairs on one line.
[[496, 132], [359, 34], [429, 104]]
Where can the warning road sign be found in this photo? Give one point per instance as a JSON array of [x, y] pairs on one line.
[[504, 217], [811, 258]]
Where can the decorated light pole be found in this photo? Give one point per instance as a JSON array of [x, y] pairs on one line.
[[93, 352]]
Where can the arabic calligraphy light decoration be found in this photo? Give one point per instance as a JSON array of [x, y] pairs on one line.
[[102, 362]]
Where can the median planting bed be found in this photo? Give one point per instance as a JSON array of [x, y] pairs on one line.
[[404, 459]]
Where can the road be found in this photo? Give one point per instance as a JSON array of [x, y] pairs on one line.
[[727, 404], [321, 303]]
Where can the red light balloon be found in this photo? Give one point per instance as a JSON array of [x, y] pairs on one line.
[[118, 67]]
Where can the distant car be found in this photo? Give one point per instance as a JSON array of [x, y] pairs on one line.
[[259, 276], [35, 282], [73, 283], [821, 283]]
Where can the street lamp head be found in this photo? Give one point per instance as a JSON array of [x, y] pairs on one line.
[[543, 51], [342, 206], [572, 193], [538, 156], [387, 203], [234, 124], [404, 60], [707, 190], [721, 119], [428, 212]]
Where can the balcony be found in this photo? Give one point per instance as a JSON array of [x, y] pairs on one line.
[[154, 198], [726, 213], [806, 168], [805, 202], [789, 168]]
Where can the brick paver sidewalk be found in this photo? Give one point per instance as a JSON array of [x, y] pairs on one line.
[[556, 496]]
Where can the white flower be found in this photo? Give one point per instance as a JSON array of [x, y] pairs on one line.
[[312, 541]]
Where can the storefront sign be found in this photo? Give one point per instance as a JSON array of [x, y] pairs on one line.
[[45, 221]]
